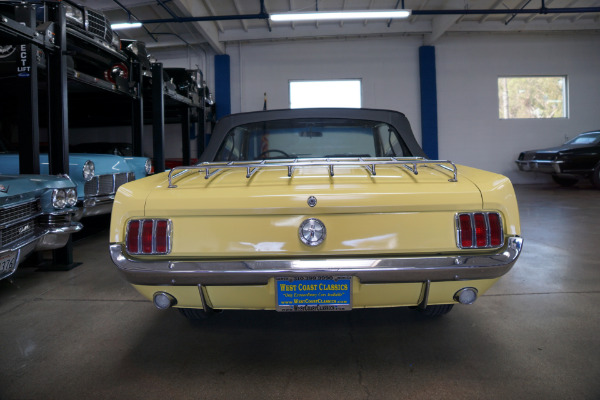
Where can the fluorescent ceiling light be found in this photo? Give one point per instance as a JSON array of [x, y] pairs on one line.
[[126, 25], [339, 15]]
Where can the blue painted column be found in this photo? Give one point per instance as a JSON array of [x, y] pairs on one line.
[[222, 85], [429, 118]]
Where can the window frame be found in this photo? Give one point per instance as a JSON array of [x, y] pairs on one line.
[[565, 93]]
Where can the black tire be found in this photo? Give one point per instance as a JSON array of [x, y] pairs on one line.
[[565, 182], [195, 314], [436, 310], [596, 176]]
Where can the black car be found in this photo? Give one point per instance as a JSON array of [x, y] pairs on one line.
[[577, 158]]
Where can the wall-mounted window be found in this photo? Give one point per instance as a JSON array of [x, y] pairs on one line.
[[532, 97], [345, 93]]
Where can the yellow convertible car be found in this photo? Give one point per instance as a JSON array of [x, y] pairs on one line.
[[315, 210]]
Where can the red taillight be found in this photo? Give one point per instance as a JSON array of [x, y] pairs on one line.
[[466, 231], [161, 236], [479, 230], [132, 236], [148, 236], [495, 230]]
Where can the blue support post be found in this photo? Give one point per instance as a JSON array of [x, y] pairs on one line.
[[429, 118], [222, 85]]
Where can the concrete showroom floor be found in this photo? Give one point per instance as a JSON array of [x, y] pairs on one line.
[[86, 333]]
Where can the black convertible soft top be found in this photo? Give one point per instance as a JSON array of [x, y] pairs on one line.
[[393, 118]]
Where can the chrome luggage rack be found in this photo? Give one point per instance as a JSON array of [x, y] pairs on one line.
[[212, 168]]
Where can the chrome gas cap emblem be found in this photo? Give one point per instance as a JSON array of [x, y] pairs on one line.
[[312, 201], [312, 232]]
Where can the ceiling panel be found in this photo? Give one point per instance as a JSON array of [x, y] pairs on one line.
[[431, 18]]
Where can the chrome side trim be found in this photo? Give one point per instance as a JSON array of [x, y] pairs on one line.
[[162, 271], [368, 163]]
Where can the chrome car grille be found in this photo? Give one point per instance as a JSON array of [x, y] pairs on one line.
[[545, 156], [98, 26], [25, 215], [527, 156], [54, 220], [106, 184], [18, 212], [17, 232], [538, 156]]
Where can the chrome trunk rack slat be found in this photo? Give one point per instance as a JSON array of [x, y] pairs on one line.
[[411, 164]]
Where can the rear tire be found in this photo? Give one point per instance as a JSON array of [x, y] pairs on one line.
[[596, 176], [436, 310], [195, 314], [565, 182]]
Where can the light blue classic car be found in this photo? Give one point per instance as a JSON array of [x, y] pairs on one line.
[[36, 213], [97, 176]]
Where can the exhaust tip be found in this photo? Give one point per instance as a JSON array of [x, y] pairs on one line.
[[466, 295], [163, 300]]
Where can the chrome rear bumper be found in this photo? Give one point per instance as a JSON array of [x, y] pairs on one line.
[[368, 270]]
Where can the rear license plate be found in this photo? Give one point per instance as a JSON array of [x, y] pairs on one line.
[[8, 263], [314, 293]]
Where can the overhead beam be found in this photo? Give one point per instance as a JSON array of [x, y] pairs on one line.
[[398, 28], [210, 8], [239, 11], [494, 6], [442, 23], [207, 29], [567, 10], [325, 30]]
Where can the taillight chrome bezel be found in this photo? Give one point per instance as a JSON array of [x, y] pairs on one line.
[[488, 233], [140, 233]]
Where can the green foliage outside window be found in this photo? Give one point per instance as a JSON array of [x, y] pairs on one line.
[[532, 97]]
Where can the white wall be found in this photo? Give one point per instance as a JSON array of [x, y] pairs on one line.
[[470, 131], [386, 66], [468, 66]]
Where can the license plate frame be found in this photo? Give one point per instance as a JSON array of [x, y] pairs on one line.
[[8, 262], [313, 293]]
